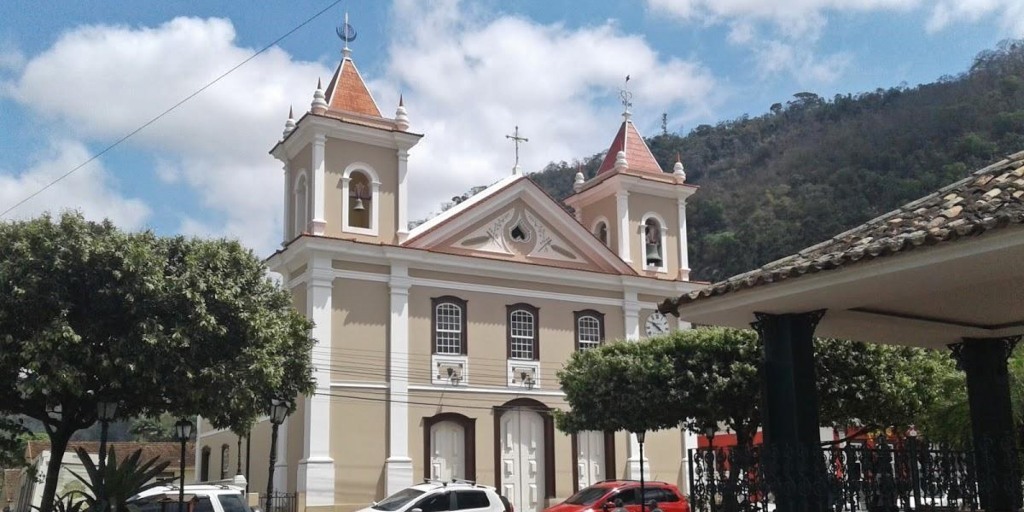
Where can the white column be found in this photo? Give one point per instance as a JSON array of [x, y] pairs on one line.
[[631, 311], [398, 474], [197, 468], [684, 255], [403, 195], [319, 178], [316, 469], [622, 212], [288, 211], [281, 464]]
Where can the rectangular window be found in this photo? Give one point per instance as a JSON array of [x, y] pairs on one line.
[[589, 329], [471, 499], [449, 326], [522, 332]]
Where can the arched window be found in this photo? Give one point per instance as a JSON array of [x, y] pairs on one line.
[[449, 326], [522, 329], [225, 452], [204, 465], [601, 232], [654, 243], [589, 329], [301, 204], [360, 204]]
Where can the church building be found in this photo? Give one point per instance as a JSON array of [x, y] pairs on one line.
[[438, 345]]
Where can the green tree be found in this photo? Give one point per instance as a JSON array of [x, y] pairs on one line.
[[176, 325]]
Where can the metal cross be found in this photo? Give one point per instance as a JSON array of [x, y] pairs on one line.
[[515, 137]]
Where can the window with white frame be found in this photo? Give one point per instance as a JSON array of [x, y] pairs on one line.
[[589, 329], [449, 325], [522, 332]]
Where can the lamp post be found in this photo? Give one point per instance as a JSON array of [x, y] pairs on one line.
[[279, 410], [105, 412], [914, 475], [183, 431], [640, 439]]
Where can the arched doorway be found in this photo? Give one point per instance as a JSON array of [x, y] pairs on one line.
[[524, 453], [449, 447], [593, 458]]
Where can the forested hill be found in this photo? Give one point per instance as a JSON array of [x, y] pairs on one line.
[[814, 167]]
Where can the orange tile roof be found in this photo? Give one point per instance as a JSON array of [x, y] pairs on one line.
[[638, 155], [348, 93]]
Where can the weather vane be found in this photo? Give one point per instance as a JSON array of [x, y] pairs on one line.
[[515, 137], [346, 32], [626, 96]]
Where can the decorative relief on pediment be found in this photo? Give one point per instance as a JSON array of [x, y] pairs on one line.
[[490, 237], [519, 232]]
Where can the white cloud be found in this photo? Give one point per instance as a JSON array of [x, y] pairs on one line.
[[808, 69], [793, 18], [216, 143], [1010, 14], [94, 189], [469, 79]]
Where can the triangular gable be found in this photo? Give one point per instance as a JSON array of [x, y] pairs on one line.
[[348, 93], [638, 156], [517, 221]]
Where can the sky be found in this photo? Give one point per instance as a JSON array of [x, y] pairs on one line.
[[76, 76]]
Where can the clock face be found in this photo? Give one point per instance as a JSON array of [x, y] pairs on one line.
[[656, 324]]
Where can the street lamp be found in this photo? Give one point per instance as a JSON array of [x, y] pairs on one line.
[[183, 432], [279, 410], [105, 412], [640, 439]]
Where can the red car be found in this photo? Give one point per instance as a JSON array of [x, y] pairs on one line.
[[609, 495]]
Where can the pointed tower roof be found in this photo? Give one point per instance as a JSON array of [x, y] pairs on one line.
[[638, 155], [348, 93]]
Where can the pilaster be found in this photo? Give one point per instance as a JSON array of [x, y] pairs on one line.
[[316, 469], [622, 213], [281, 464], [398, 473], [684, 255], [983, 360], [403, 195], [287, 210], [319, 224], [631, 321]]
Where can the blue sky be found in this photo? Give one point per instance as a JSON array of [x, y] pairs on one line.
[[75, 76]]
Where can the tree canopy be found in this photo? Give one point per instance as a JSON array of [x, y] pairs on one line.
[[712, 376], [179, 325]]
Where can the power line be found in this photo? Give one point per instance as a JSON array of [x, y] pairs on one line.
[[169, 110]]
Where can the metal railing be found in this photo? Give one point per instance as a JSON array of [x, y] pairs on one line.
[[281, 502], [879, 478]]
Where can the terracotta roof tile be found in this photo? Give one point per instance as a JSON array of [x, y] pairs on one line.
[[166, 451], [991, 198], [638, 155], [348, 93]]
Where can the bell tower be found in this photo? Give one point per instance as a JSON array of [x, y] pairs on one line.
[[345, 164], [636, 208]]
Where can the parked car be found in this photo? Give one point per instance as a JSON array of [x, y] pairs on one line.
[[198, 498], [606, 496], [437, 496]]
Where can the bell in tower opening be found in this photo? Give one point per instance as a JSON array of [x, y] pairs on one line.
[[652, 239]]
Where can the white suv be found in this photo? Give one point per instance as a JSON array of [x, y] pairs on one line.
[[435, 496], [207, 498]]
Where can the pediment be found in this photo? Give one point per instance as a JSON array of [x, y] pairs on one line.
[[522, 224]]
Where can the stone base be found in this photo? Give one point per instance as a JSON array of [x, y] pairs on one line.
[[398, 474], [633, 469], [316, 480]]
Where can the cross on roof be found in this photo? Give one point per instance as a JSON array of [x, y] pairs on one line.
[[517, 139]]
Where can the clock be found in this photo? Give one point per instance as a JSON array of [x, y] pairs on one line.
[[656, 324]]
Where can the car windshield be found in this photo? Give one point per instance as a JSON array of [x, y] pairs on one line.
[[232, 503], [397, 500], [587, 496]]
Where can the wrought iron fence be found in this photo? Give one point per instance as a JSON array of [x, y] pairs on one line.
[[880, 478], [282, 502]]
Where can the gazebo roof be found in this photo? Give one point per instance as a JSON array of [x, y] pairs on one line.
[[989, 200]]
